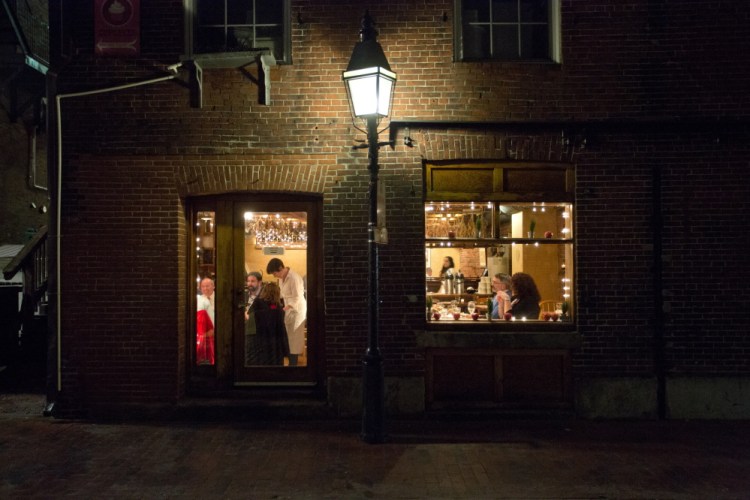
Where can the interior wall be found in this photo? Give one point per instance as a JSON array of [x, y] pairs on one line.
[[294, 258]]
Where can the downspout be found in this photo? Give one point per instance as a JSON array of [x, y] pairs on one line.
[[659, 347], [58, 219]]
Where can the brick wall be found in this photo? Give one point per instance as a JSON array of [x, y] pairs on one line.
[[22, 205], [132, 157]]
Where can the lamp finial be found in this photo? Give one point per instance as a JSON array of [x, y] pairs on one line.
[[368, 31]]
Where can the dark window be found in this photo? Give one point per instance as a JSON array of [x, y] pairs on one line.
[[235, 26], [521, 30]]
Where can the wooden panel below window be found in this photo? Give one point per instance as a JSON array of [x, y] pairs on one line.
[[533, 378], [511, 378], [464, 378]]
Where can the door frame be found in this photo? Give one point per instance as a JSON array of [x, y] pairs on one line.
[[230, 277]]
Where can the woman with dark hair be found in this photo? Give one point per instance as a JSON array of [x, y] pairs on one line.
[[447, 275], [448, 266], [266, 341], [525, 300]]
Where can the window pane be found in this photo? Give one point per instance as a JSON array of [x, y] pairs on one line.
[[269, 12], [270, 37], [210, 40], [205, 248], [534, 42], [505, 42], [240, 39], [239, 11], [458, 220], [476, 42], [505, 11], [210, 13], [534, 11], [272, 336], [476, 11]]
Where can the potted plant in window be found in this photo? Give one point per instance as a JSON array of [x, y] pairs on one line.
[[478, 226], [565, 310]]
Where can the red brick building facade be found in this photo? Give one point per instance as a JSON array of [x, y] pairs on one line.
[[647, 106]]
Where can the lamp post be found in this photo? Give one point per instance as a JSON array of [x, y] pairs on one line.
[[369, 85]]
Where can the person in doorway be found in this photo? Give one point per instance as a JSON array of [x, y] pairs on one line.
[[253, 286], [204, 324], [295, 306], [501, 284], [266, 341], [207, 295], [525, 300]]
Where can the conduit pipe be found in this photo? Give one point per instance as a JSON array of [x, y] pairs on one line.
[[58, 219]]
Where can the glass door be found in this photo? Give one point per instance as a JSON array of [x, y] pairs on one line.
[[275, 278]]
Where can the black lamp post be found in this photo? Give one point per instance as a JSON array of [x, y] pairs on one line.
[[369, 85]]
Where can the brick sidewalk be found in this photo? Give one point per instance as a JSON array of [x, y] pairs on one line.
[[47, 458]]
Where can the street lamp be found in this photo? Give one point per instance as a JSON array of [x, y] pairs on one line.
[[369, 86]]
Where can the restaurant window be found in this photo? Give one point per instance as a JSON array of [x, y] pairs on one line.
[[228, 31], [507, 30], [499, 226]]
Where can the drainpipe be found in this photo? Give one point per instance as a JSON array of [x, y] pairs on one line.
[[58, 100], [659, 347]]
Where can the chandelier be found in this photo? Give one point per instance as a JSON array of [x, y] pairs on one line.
[[277, 230]]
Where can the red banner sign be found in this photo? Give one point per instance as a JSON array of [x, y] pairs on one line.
[[117, 27]]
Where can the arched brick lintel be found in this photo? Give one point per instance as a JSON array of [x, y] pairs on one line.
[[217, 174]]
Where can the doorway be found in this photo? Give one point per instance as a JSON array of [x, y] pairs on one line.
[[236, 237]]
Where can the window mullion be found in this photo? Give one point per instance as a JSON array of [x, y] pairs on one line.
[[518, 16], [492, 29], [255, 25], [226, 27]]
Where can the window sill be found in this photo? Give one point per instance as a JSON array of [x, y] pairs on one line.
[[499, 334], [530, 62], [227, 59]]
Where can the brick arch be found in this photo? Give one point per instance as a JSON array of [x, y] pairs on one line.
[[221, 174], [471, 144]]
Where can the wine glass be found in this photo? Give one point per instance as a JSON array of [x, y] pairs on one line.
[[471, 306]]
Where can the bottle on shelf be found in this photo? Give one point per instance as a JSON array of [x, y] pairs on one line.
[[459, 288]]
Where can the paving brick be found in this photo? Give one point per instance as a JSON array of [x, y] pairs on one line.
[[46, 458]]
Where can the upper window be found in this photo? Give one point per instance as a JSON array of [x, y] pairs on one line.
[[507, 30], [231, 30]]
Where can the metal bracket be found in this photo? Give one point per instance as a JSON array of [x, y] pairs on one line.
[[266, 61]]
